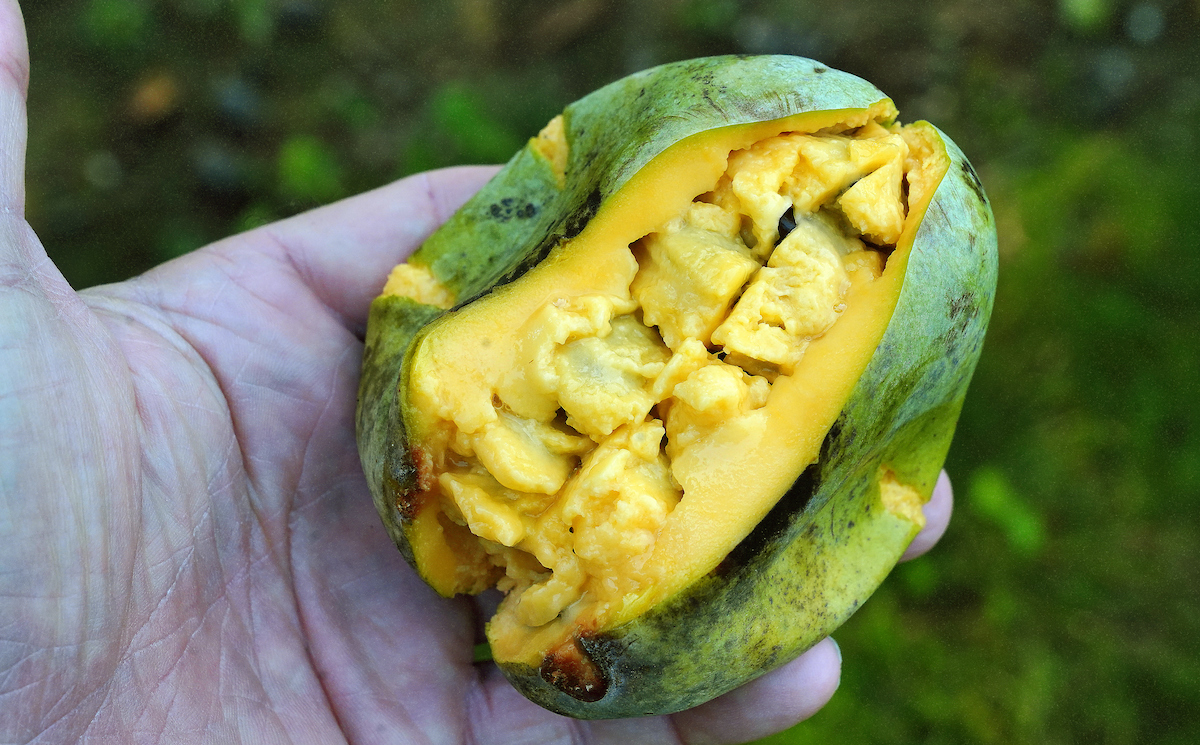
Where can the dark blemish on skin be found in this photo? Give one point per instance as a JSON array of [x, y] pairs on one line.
[[819, 70], [963, 310], [789, 507], [569, 669], [509, 208], [582, 216], [568, 229], [412, 488], [960, 304], [972, 179], [833, 440]]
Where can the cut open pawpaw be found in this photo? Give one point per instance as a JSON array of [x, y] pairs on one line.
[[680, 377]]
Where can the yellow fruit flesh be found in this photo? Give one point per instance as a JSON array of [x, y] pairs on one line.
[[544, 407]]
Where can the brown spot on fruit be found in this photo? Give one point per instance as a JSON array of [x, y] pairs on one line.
[[569, 669], [423, 462], [410, 499]]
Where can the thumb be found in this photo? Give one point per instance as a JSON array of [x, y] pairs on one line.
[[24, 266], [14, 80]]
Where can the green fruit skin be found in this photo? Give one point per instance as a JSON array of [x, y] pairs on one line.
[[828, 543]]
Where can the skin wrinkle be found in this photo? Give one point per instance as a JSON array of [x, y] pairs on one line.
[[113, 309], [130, 659], [22, 278], [268, 552], [282, 254], [286, 263], [308, 441], [406, 716], [150, 501], [292, 517], [238, 433], [477, 691], [227, 264], [253, 619], [348, 352], [61, 719], [237, 381], [119, 623], [14, 69], [162, 640], [233, 656], [173, 586], [138, 486], [163, 602], [41, 279]]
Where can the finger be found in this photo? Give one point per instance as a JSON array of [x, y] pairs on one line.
[[496, 712], [14, 81], [768, 704], [937, 518], [23, 262], [344, 251]]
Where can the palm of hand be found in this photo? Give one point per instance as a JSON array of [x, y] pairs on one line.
[[187, 549]]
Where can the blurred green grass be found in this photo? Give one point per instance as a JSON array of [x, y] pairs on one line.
[[1062, 606]]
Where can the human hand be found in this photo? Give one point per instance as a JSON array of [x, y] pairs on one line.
[[188, 551]]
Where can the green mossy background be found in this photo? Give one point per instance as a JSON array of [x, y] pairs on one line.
[[1063, 606]]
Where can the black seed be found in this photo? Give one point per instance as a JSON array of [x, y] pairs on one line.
[[787, 223]]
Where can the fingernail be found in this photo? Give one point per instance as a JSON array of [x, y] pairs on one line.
[[837, 649]]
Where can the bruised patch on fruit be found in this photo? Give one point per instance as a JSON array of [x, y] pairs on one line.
[[972, 180], [569, 669], [411, 497], [508, 208]]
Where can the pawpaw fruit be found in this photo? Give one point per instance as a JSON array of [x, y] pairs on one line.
[[680, 377]]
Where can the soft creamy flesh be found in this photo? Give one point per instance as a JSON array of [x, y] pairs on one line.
[[605, 430]]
